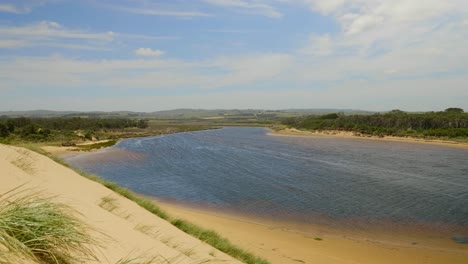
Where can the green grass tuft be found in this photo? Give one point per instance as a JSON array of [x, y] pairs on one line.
[[41, 230], [212, 238]]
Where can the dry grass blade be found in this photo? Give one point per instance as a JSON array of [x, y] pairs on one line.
[[35, 227]]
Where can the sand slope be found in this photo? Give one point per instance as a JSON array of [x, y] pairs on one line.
[[130, 230]]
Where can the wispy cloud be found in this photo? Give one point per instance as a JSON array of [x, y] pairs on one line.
[[241, 31], [23, 6], [255, 7], [156, 11], [148, 52], [11, 43], [49, 30], [9, 8], [48, 33]]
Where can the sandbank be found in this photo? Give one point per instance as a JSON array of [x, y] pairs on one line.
[[355, 135]]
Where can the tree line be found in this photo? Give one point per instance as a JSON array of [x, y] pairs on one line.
[[452, 122], [43, 128]]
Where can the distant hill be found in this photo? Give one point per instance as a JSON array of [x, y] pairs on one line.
[[328, 111], [184, 113], [36, 113]]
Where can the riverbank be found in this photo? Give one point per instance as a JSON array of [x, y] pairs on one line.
[[355, 135], [123, 229], [287, 242]]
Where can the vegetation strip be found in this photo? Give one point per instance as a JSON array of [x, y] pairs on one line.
[[450, 124], [214, 239], [207, 236]]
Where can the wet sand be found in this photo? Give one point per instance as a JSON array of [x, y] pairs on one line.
[[287, 242], [349, 134]]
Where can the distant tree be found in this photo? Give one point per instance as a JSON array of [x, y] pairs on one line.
[[89, 135], [454, 110], [397, 111], [330, 116], [3, 130]]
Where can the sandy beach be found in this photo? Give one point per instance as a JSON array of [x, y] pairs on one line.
[[283, 242], [354, 135], [125, 229]]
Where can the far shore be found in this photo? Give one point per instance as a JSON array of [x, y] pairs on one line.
[[355, 135]]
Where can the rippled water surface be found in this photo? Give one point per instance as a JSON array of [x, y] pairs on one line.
[[307, 178]]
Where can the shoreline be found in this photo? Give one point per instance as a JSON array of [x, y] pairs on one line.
[[292, 132], [288, 242]]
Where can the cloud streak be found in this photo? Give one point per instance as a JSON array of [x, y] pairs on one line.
[[253, 7], [23, 6], [148, 52]]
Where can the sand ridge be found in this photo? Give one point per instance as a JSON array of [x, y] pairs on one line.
[[125, 228]]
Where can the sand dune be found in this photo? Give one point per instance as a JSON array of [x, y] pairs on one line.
[[127, 229]]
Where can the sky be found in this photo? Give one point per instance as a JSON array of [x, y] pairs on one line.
[[149, 55]]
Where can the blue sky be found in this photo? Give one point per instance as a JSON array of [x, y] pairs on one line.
[[147, 55]]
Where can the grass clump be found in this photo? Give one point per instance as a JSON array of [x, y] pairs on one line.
[[42, 231], [215, 240]]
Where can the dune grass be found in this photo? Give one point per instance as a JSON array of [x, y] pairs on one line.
[[40, 230]]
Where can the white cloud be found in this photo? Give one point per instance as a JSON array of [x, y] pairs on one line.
[[23, 7], [11, 44], [356, 16], [319, 46], [155, 11], [9, 8], [52, 34], [50, 30], [149, 52], [256, 7], [325, 6]]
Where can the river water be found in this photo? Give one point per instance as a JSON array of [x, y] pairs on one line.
[[309, 179]]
